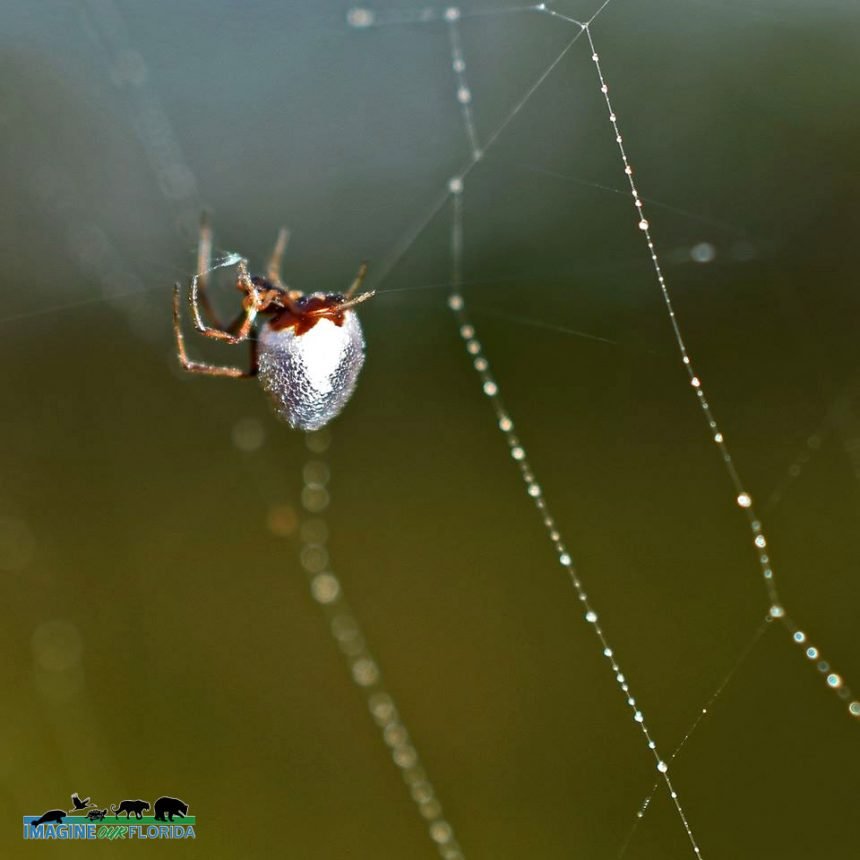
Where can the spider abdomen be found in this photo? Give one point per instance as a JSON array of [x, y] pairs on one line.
[[311, 376]]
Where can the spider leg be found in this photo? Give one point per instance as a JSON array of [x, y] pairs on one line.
[[199, 366], [251, 304], [273, 270], [356, 284], [204, 265]]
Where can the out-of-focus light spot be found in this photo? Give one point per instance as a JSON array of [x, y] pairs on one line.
[[703, 252], [318, 441], [744, 500], [365, 672], [283, 520], [248, 434], [833, 680], [314, 558], [316, 473], [359, 18], [325, 588], [315, 499]]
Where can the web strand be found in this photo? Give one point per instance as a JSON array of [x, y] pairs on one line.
[[703, 712], [490, 387], [743, 498], [327, 590]]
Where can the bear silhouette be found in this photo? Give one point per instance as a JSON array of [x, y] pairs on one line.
[[170, 805], [128, 806], [52, 816]]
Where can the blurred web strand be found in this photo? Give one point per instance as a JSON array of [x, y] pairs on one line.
[[490, 387], [327, 590], [743, 498], [703, 712]]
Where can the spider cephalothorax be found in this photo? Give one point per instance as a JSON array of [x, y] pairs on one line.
[[307, 350]]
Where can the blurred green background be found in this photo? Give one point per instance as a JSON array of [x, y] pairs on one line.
[[158, 636]]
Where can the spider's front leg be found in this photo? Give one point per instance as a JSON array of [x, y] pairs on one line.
[[252, 304], [199, 366]]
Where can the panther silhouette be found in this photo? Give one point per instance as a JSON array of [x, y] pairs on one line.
[[170, 805], [52, 816], [127, 806]]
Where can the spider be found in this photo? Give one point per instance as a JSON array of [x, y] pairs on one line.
[[307, 351]]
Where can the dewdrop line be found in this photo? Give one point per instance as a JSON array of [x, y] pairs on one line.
[[362, 18], [327, 591], [743, 498], [490, 387], [464, 94], [506, 425]]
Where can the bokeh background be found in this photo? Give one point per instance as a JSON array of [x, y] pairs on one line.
[[157, 632]]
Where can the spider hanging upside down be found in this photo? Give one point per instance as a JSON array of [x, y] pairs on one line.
[[307, 352]]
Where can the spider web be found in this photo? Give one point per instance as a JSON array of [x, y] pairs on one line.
[[454, 226]]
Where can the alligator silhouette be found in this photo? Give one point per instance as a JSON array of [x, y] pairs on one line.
[[136, 806], [52, 816], [171, 806]]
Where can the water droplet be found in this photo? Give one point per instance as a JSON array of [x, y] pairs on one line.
[[776, 611], [760, 541], [643, 224], [452, 13], [812, 652], [455, 186], [662, 766], [464, 96], [490, 389], [744, 500], [591, 617], [638, 717], [455, 302], [833, 680], [718, 438], [799, 636], [854, 709]]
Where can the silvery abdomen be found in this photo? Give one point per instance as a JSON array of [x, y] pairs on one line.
[[311, 376]]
